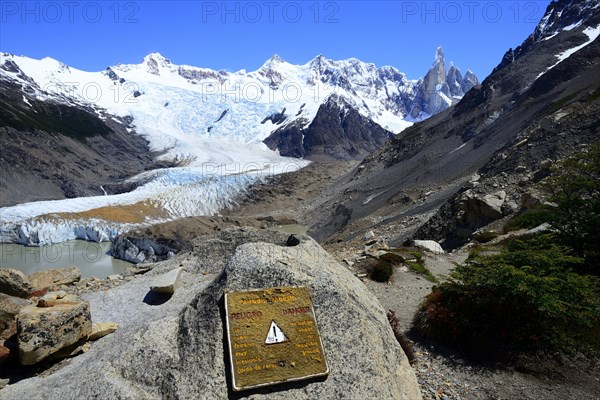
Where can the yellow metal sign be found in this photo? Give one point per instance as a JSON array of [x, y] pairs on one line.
[[273, 337]]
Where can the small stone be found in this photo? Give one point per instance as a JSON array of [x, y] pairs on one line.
[[114, 277], [4, 382], [51, 298], [292, 241], [167, 283], [102, 329], [369, 235], [86, 347]]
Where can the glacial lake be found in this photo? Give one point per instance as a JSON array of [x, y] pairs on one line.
[[292, 229], [91, 258]]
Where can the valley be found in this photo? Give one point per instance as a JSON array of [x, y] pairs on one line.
[[464, 211]]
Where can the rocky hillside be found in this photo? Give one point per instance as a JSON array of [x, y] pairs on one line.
[[53, 150], [474, 162]]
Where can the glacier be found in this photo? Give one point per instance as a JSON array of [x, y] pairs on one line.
[[211, 123]]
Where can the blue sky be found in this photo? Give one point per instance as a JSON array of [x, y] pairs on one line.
[[92, 35]]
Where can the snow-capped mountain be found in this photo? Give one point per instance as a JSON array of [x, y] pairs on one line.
[[540, 105], [171, 102], [213, 125]]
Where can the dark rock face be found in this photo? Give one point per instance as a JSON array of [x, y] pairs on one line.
[[559, 14], [337, 132]]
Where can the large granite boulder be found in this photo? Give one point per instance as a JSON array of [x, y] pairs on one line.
[[10, 306], [43, 331], [14, 283], [54, 277], [177, 349]]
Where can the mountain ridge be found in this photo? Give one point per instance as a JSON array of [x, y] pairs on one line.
[[421, 179]]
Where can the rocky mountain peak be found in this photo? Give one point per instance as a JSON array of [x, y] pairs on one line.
[[154, 62], [469, 81], [439, 56], [454, 80], [560, 16]]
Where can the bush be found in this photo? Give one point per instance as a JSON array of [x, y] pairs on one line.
[[541, 291], [382, 271], [484, 237], [525, 298], [576, 192], [394, 259]]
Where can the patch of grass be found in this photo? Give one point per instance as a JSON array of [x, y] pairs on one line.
[[529, 219], [560, 103], [421, 269], [593, 96], [418, 255]]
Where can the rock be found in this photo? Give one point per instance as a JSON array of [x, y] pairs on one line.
[[167, 283], [139, 250], [43, 331], [102, 329], [178, 350], [14, 283], [520, 168], [495, 201], [510, 207], [114, 277], [546, 164], [532, 199], [4, 354], [51, 298], [369, 235], [429, 245], [54, 277], [403, 268], [292, 241], [10, 306], [477, 208]]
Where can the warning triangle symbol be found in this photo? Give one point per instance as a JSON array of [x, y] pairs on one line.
[[275, 334]]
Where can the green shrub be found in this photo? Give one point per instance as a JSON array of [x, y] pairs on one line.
[[382, 271], [484, 237], [524, 298], [394, 259], [575, 189], [421, 269], [529, 219]]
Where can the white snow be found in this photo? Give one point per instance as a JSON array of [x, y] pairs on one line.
[[592, 34]]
